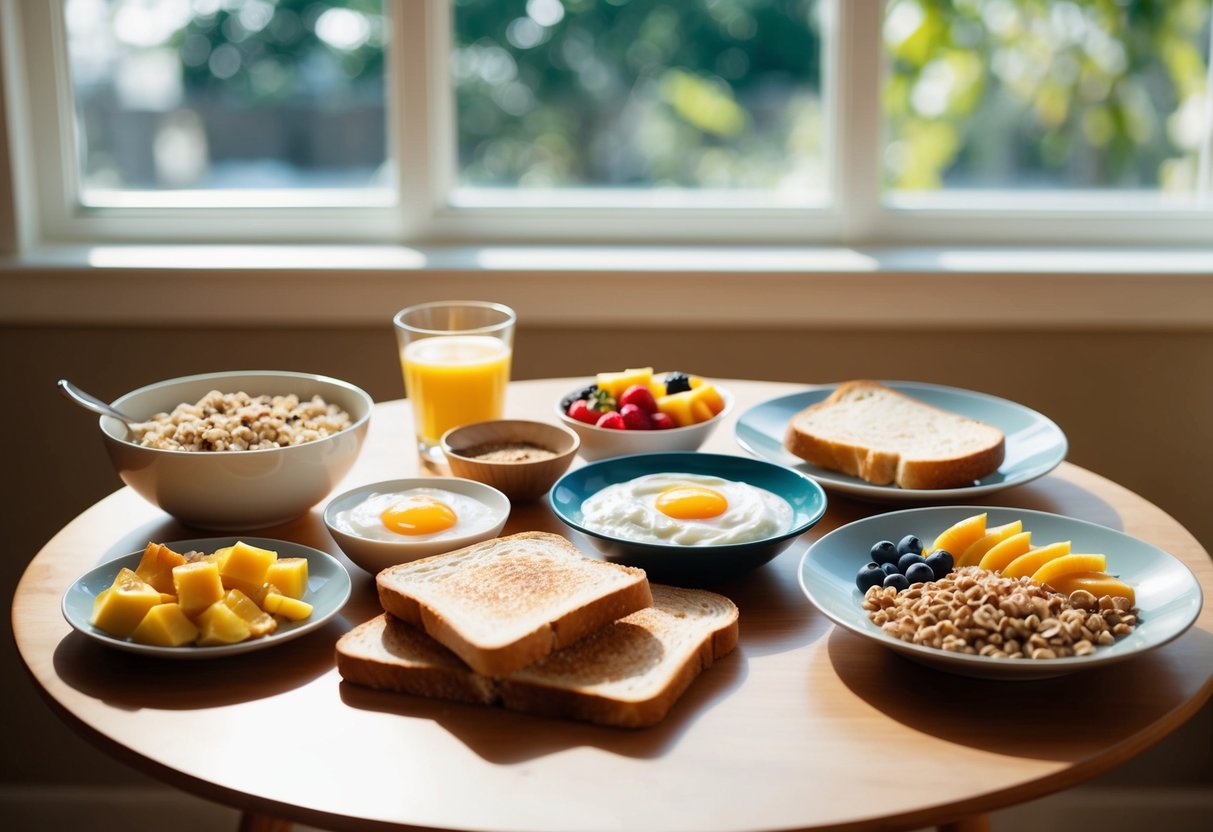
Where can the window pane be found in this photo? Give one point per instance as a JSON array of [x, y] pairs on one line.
[[209, 94], [640, 93], [1039, 94]]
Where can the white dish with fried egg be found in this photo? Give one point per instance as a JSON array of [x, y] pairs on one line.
[[382, 524]]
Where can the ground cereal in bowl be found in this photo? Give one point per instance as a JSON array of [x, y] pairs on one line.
[[240, 422]]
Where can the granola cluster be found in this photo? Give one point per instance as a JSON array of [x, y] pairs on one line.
[[240, 422], [976, 611]]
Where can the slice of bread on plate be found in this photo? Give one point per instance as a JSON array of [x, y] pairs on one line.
[[870, 431], [505, 603], [629, 673]]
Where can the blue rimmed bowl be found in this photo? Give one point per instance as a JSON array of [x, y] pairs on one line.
[[668, 561]]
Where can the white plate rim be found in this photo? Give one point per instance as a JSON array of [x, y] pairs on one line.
[[333, 571], [985, 666], [843, 484]]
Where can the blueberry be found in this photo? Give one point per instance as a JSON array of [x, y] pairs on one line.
[[890, 568], [583, 393], [869, 576], [676, 382], [910, 544], [885, 552], [919, 573], [941, 563], [906, 561], [898, 582]]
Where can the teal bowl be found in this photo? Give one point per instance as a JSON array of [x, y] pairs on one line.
[[691, 564]]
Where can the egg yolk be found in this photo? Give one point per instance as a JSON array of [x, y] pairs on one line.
[[687, 502], [418, 515]]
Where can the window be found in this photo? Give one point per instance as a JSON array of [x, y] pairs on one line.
[[856, 122]]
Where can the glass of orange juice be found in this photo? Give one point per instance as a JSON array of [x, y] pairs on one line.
[[455, 356]]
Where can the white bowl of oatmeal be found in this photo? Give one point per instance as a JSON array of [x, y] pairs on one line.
[[238, 450]]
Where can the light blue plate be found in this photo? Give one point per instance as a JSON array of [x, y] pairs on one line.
[[1035, 445], [1168, 595], [328, 588], [669, 561]]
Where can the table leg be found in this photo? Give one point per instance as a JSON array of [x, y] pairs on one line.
[[254, 822], [972, 823]]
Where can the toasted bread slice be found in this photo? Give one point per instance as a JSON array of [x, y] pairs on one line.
[[628, 674], [505, 603], [879, 435]]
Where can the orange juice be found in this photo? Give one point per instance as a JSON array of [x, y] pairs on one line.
[[455, 380]]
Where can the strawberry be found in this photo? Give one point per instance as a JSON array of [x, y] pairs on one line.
[[662, 421], [635, 417], [580, 410], [612, 420], [639, 395]]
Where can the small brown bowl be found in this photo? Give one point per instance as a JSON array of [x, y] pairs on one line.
[[520, 480]]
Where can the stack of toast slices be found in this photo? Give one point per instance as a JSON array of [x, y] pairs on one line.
[[529, 623]]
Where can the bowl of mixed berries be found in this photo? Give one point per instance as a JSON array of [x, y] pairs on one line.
[[638, 411]]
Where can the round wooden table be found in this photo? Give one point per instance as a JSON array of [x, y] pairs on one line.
[[803, 727]]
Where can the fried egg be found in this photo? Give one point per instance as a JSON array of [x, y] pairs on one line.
[[416, 514], [687, 510]]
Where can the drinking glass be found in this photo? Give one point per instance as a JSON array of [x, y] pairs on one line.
[[455, 357]]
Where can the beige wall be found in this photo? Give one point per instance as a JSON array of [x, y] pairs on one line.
[[1137, 407]]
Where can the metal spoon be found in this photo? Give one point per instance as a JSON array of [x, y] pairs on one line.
[[91, 402]]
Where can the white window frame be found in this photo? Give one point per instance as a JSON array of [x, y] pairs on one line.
[[430, 210]]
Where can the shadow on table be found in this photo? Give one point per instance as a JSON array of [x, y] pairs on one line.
[[133, 681], [1054, 495], [1097, 707], [513, 737]]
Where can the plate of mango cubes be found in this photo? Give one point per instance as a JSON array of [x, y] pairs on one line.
[[207, 597]]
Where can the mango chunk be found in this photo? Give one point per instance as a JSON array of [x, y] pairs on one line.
[[678, 407], [707, 397], [198, 586], [289, 608], [260, 623], [165, 625], [245, 566], [616, 383], [156, 566], [119, 609], [219, 624], [289, 575]]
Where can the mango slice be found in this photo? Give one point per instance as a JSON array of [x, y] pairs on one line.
[[289, 576], [1002, 553], [1096, 583], [198, 586], [165, 625], [976, 551], [119, 609], [1054, 569], [290, 608], [1026, 565], [960, 536]]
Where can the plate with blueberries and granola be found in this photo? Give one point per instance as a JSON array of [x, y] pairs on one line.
[[999, 593]]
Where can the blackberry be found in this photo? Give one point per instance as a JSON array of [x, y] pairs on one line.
[[677, 383], [583, 393]]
